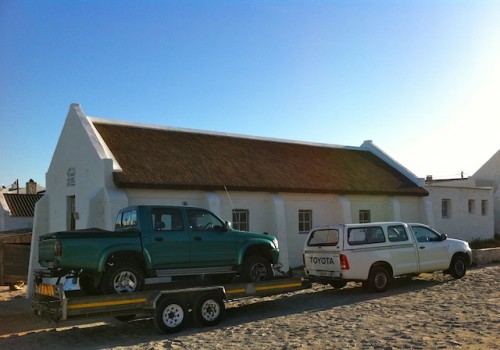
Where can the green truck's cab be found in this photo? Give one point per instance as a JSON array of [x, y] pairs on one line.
[[159, 241]]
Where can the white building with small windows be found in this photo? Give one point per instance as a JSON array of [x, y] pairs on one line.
[[281, 187], [468, 207], [460, 210]]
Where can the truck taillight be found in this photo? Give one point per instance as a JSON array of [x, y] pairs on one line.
[[57, 248], [344, 264]]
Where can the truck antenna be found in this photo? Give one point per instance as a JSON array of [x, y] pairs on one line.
[[229, 197]]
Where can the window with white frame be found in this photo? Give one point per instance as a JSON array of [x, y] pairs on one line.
[[241, 219], [445, 208], [364, 216], [471, 206], [305, 221], [484, 207]]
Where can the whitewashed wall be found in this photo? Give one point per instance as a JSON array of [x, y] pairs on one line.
[[461, 224], [83, 167], [489, 175], [80, 167]]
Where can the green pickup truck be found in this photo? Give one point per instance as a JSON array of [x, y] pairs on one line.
[[152, 241]]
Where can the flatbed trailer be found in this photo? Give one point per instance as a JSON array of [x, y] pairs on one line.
[[170, 307]]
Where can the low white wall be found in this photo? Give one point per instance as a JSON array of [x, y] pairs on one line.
[[485, 256]]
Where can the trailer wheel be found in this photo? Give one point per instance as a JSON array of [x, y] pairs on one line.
[[122, 279], [208, 309], [257, 268], [170, 315]]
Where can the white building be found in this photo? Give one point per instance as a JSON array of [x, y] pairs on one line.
[[468, 207], [17, 207], [461, 210], [489, 175], [281, 187]]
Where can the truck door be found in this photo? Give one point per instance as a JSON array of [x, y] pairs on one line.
[[404, 256], [432, 250], [211, 245], [168, 241]]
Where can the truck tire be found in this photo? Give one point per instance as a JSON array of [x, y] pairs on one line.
[[122, 278], [208, 309], [171, 315], [379, 279], [338, 284], [458, 266], [256, 268]]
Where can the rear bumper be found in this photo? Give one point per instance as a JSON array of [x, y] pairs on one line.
[[322, 280]]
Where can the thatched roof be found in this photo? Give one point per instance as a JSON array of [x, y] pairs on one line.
[[175, 159]]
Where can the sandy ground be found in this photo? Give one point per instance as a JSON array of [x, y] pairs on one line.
[[429, 312]]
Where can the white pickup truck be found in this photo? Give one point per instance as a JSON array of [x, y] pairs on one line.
[[375, 252]]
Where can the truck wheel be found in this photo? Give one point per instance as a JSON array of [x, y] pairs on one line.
[[208, 309], [170, 315], [121, 279], [458, 266], [88, 285], [256, 268], [379, 279], [338, 284]]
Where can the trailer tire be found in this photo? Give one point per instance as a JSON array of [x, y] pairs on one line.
[[171, 315], [122, 278], [256, 268], [208, 309]]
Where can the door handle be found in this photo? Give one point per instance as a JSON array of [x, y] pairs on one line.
[[197, 238], [159, 239], [421, 247]]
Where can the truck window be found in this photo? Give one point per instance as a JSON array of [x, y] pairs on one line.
[[425, 234], [203, 220], [397, 233], [365, 235], [166, 219], [127, 219], [323, 238]]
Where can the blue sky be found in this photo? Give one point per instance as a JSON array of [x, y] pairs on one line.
[[419, 78]]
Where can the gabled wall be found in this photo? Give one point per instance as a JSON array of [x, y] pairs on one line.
[[83, 168]]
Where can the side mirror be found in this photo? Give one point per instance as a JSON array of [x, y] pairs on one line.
[[443, 236], [227, 226]]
